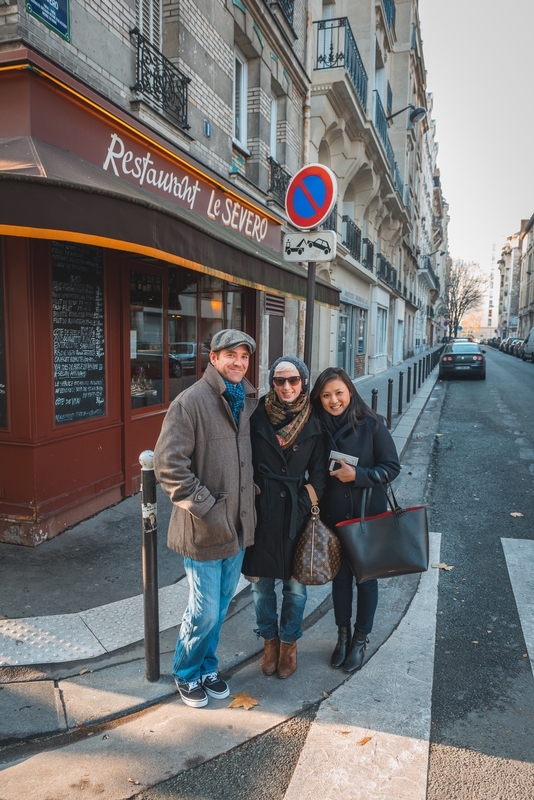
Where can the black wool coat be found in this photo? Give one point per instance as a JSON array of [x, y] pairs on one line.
[[283, 506], [378, 458]]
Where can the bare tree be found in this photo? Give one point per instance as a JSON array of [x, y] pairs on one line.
[[465, 291]]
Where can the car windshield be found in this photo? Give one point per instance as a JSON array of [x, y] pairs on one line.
[[182, 348], [462, 347]]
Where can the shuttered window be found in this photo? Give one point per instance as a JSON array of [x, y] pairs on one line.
[[149, 16]]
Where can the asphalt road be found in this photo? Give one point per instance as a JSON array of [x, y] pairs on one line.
[[483, 699]]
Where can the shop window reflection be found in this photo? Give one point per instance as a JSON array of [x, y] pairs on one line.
[[212, 312], [183, 331], [146, 339]]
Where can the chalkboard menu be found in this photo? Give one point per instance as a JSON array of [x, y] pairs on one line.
[[3, 376], [78, 324]]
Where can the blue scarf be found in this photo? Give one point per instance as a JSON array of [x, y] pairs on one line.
[[235, 396]]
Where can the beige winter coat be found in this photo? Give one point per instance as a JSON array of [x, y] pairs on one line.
[[204, 463]]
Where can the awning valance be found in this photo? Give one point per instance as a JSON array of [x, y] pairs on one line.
[[49, 193]]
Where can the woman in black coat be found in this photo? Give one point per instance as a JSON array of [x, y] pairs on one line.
[[352, 428], [288, 451]]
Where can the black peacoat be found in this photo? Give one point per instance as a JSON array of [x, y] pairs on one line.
[[283, 506], [378, 458]]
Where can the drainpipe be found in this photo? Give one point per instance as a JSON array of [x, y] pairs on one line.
[[307, 100]]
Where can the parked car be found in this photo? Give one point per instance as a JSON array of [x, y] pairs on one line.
[[528, 347], [516, 348], [184, 355], [510, 343], [462, 359]]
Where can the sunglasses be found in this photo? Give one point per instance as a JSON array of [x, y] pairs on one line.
[[293, 380]]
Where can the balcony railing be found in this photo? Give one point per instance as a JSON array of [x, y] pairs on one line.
[[279, 181], [399, 183], [381, 266], [426, 265], [287, 9], [368, 259], [389, 8], [351, 237], [408, 202], [160, 83], [330, 223], [381, 126], [336, 47]]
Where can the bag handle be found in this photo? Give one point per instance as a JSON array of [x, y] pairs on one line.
[[313, 498], [393, 504]]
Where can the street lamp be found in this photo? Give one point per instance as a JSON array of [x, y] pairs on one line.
[[417, 114]]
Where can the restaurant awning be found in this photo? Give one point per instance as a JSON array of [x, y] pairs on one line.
[[49, 193]]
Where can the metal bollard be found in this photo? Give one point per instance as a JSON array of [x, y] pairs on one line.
[[374, 399], [401, 382], [414, 378], [423, 372], [150, 565], [390, 401], [428, 366], [408, 384], [419, 375]]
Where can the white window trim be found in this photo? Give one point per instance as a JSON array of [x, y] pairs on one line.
[[241, 142], [274, 126], [382, 330]]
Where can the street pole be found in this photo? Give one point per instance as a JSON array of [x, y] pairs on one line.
[[150, 565], [308, 328]]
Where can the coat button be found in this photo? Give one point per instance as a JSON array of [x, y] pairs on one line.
[[348, 516], [284, 470], [242, 463], [295, 447], [243, 513], [243, 489], [347, 494], [282, 494]]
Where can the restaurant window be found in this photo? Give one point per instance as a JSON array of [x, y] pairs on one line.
[[146, 339], [3, 373], [182, 330], [362, 331]]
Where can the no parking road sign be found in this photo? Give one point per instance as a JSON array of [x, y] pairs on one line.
[[311, 196]]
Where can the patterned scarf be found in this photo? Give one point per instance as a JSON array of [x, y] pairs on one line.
[[287, 419], [235, 397]]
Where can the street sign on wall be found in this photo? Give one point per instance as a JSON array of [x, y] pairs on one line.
[[310, 246], [311, 196], [54, 13]]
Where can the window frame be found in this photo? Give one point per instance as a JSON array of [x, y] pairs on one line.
[[240, 113]]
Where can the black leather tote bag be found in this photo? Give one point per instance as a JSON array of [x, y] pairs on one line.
[[392, 543]]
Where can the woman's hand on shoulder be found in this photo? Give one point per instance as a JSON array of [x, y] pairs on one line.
[[346, 473]]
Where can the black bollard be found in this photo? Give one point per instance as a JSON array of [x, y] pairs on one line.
[[374, 399], [414, 378], [419, 374], [401, 382], [408, 384], [390, 401], [150, 565]]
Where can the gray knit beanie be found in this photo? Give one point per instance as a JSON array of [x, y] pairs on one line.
[[299, 365]]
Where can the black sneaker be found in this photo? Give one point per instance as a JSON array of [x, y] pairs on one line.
[[215, 686], [192, 693]]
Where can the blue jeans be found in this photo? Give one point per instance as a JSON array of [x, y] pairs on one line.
[[212, 585], [293, 602]]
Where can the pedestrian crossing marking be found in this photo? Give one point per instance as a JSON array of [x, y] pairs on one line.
[[519, 555]]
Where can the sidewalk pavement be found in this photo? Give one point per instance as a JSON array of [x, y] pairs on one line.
[[93, 670]]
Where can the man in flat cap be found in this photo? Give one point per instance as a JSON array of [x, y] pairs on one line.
[[203, 460]]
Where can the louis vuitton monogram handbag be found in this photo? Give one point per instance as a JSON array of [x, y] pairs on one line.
[[318, 555]]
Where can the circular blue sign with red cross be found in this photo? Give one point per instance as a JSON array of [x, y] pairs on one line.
[[311, 196]]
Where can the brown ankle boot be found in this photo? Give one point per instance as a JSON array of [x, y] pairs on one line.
[[271, 652], [287, 663]]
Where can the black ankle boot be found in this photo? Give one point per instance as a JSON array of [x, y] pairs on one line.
[[356, 652], [340, 651]]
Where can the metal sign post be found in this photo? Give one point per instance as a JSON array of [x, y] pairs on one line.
[[310, 197]]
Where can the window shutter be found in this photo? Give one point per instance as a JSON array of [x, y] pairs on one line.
[[149, 15]]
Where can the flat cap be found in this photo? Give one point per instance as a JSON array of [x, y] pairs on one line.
[[230, 338]]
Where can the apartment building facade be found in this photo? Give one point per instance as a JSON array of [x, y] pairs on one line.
[[145, 151]]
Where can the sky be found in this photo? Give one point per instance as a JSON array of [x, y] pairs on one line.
[[479, 57]]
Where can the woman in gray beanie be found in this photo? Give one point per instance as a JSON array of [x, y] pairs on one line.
[[288, 451]]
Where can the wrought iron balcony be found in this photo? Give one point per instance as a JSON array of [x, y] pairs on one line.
[[279, 181], [159, 82], [425, 265], [408, 202], [381, 126], [399, 183], [330, 223], [351, 237], [381, 266], [368, 260], [287, 7], [336, 47]]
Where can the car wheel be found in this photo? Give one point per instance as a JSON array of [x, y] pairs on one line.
[[177, 370]]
